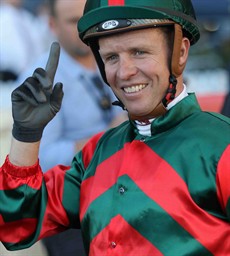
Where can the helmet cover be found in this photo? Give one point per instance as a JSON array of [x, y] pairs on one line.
[[109, 16]]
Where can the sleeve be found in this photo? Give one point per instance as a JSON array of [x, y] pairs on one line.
[[34, 205], [223, 181]]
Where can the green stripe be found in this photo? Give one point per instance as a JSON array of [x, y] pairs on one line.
[[71, 200], [13, 200], [21, 210]]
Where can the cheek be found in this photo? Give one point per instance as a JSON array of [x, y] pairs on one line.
[[110, 74], [149, 67]]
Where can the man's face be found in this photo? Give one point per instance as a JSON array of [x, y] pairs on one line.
[[64, 25], [136, 68]]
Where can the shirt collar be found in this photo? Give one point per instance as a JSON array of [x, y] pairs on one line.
[[145, 128]]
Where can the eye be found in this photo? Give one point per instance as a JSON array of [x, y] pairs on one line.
[[111, 58], [139, 52]]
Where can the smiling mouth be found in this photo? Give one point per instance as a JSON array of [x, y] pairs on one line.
[[134, 88]]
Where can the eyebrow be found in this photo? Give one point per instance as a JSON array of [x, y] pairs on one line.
[[142, 47]]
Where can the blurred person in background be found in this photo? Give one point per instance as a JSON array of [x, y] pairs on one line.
[[40, 9], [20, 39], [34, 6], [208, 66], [86, 107]]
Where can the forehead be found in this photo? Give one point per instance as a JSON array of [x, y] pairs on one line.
[[143, 37]]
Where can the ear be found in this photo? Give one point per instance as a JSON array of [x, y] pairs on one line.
[[184, 51], [180, 51]]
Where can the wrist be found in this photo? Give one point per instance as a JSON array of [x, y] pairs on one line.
[[23, 153], [26, 134]]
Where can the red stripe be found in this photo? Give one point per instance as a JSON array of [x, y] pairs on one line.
[[22, 229], [11, 176], [223, 178], [116, 2], [201, 225], [127, 242], [55, 217]]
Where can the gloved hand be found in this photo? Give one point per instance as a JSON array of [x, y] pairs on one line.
[[36, 101]]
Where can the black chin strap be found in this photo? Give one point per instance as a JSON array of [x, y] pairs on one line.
[[119, 104], [171, 91]]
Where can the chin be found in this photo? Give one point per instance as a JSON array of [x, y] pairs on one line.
[[138, 109], [137, 113]]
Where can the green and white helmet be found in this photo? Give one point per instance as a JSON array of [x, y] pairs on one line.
[[104, 17], [99, 12]]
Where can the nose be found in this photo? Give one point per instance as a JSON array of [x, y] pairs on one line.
[[126, 68]]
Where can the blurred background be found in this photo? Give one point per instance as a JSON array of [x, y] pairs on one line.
[[207, 72], [208, 69]]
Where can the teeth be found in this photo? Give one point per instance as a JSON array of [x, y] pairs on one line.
[[136, 88]]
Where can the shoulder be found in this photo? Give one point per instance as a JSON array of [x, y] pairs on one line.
[[211, 131], [213, 119]]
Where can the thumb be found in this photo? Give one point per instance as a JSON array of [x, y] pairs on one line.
[[56, 97]]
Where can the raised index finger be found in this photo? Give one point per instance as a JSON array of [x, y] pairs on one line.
[[53, 59]]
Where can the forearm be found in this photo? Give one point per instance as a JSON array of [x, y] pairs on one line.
[[23, 153]]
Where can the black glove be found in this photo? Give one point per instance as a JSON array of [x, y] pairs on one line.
[[36, 101]]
